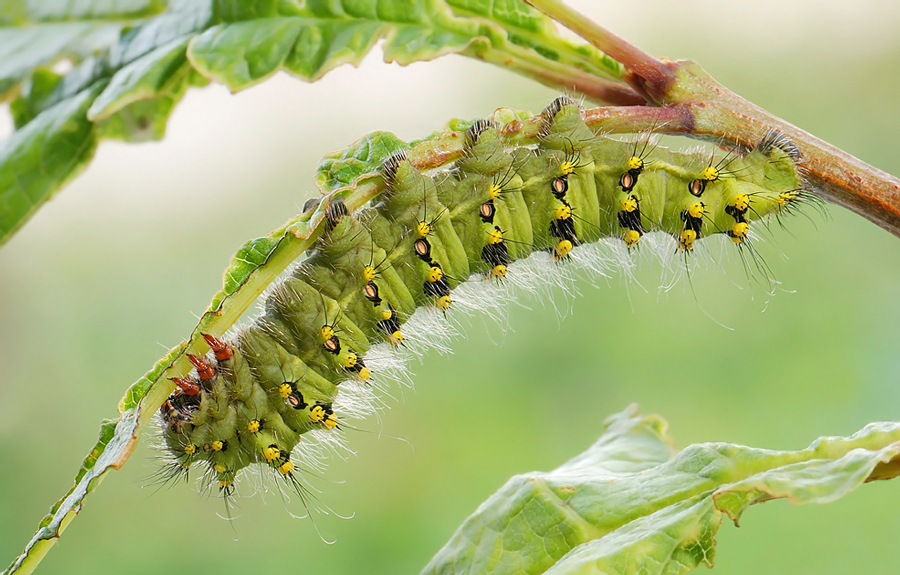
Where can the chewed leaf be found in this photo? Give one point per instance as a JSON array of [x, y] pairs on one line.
[[628, 505], [342, 168]]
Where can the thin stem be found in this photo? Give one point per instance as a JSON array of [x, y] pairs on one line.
[[597, 90], [647, 75], [629, 119], [555, 75]]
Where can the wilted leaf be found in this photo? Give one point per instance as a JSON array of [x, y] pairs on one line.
[[630, 505]]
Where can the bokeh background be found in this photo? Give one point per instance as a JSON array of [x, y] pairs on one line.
[[116, 268]]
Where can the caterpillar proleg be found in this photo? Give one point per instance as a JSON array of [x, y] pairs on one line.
[[332, 328]]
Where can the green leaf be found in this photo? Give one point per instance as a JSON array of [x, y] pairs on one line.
[[145, 78], [313, 41], [260, 39], [146, 119], [673, 540], [628, 505], [38, 159], [253, 268], [115, 438], [20, 12], [34, 34], [137, 103], [24, 49], [181, 21], [528, 28], [55, 137]]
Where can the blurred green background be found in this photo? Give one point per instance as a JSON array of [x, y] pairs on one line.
[[116, 268]]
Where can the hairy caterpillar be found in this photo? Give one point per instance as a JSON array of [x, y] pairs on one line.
[[328, 329]]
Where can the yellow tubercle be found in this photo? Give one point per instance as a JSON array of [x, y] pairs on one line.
[[710, 174], [327, 332], [739, 232], [629, 204], [317, 414], [387, 314], [696, 210], [350, 360], [284, 390], [364, 374], [217, 445], [632, 237], [331, 421], [219, 467], [286, 468], [190, 449], [495, 237], [635, 164], [785, 198], [271, 453], [498, 271], [253, 426], [397, 337], [423, 229], [741, 202], [562, 249], [563, 212], [444, 302], [494, 191], [686, 241], [368, 273], [567, 168], [435, 274]]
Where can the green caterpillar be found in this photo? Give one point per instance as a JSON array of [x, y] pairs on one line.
[[331, 327]]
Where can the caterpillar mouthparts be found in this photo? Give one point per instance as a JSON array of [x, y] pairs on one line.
[[307, 363]]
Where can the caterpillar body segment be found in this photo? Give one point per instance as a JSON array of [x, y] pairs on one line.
[[418, 226], [346, 260], [486, 176], [305, 364]]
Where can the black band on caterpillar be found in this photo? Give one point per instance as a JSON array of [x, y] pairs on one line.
[[774, 138], [549, 113], [390, 166], [286, 375], [478, 128]]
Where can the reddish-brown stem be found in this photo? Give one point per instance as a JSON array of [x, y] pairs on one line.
[[622, 119], [599, 90], [647, 75], [596, 89]]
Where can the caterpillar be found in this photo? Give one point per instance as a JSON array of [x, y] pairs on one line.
[[270, 394]]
